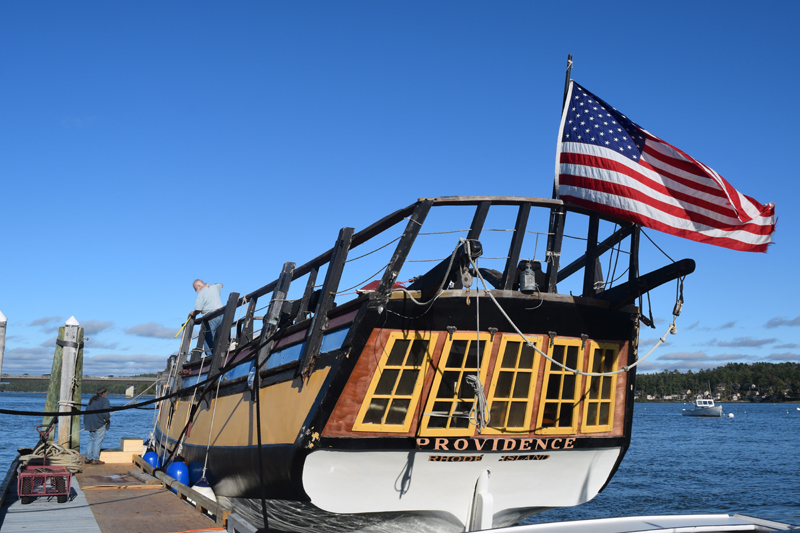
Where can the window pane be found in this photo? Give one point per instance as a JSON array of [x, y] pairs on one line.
[[569, 387], [466, 390], [572, 357], [558, 353], [554, 387], [565, 418], [510, 355], [398, 352], [472, 356], [522, 385], [377, 408], [603, 414], [407, 382], [503, 388], [498, 414], [455, 358], [447, 387], [397, 411], [609, 361], [607, 388], [597, 361], [594, 388], [417, 353], [387, 381], [591, 414], [526, 357], [516, 415], [549, 418], [439, 421]]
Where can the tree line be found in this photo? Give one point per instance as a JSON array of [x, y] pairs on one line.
[[767, 381], [88, 386]]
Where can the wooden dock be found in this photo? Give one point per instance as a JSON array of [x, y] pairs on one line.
[[113, 498]]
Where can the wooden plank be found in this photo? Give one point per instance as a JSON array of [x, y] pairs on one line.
[[46, 514], [147, 479], [555, 235]]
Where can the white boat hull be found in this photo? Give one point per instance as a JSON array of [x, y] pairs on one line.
[[364, 482], [715, 411]]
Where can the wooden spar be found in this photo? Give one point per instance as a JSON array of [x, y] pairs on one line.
[[183, 353], [3, 322], [627, 293], [223, 334], [633, 268], [302, 313], [555, 235], [384, 289], [591, 257], [244, 329], [272, 318], [509, 274], [478, 220], [602, 248], [325, 303]]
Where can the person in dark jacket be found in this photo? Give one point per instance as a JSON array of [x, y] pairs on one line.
[[96, 424]]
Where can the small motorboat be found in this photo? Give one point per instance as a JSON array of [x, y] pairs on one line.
[[703, 407]]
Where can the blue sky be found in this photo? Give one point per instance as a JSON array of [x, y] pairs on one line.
[[143, 145]]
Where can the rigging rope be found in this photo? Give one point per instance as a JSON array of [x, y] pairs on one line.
[[672, 329]]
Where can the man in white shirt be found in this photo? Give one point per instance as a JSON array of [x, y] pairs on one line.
[[208, 300]]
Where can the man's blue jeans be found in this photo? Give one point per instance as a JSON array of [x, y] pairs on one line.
[[95, 441], [211, 333]]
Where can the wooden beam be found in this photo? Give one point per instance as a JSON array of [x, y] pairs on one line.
[[591, 257], [223, 334], [633, 265], [329, 287], [302, 314], [273, 315], [478, 220], [510, 272], [627, 293], [384, 289], [602, 248], [555, 235]]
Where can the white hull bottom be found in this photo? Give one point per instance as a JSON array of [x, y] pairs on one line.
[[437, 491], [715, 411]]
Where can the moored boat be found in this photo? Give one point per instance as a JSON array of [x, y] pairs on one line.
[[703, 407], [440, 401], [466, 397]]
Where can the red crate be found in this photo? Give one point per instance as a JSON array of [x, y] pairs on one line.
[[34, 481]]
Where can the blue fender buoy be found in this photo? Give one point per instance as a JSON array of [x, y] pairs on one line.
[[195, 471], [179, 471], [152, 459]]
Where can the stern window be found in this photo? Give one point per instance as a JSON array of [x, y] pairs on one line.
[[452, 396], [394, 392], [600, 391], [560, 389], [514, 380]]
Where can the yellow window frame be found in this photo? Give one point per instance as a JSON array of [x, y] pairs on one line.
[[413, 398], [493, 428], [485, 355], [593, 406], [551, 369]]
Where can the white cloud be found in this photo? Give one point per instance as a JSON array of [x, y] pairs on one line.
[[151, 329]]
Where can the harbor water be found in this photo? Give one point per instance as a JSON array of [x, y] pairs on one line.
[[748, 464]]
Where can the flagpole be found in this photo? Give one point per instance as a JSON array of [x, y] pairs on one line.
[[566, 82], [555, 232]]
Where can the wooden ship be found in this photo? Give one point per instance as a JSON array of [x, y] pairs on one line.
[[465, 399]]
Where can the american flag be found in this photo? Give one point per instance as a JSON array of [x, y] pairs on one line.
[[609, 164]]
